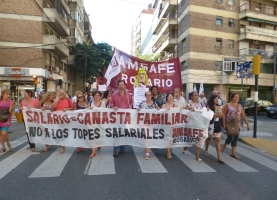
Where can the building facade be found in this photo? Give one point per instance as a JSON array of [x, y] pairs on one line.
[[212, 37], [35, 40]]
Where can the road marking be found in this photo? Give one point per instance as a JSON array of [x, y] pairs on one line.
[[258, 158], [232, 162], [102, 163], [153, 165], [189, 160], [11, 162], [54, 165]]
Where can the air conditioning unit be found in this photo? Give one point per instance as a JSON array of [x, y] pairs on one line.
[[56, 69]]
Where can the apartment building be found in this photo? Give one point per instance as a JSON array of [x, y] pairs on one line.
[[35, 40], [257, 35], [212, 37], [140, 29]]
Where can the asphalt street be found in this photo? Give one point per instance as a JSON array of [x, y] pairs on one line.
[[49, 175]]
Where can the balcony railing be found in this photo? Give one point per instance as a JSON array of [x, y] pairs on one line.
[[170, 16], [164, 39], [250, 52], [169, 56], [256, 33], [257, 11], [56, 45]]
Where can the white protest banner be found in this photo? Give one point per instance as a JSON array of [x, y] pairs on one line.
[[95, 127], [139, 95], [102, 87]]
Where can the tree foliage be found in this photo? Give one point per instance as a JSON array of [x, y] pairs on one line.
[[147, 57], [95, 56]]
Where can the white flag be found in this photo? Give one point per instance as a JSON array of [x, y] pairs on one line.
[[201, 89], [114, 67], [194, 89]]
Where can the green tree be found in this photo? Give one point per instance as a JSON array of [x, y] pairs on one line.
[[147, 57], [95, 57]]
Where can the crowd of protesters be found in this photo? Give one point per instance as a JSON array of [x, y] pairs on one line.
[[122, 99]]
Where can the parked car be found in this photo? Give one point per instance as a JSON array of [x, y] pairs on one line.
[[271, 110], [261, 106]]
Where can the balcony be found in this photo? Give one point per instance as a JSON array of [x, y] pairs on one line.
[[257, 13], [168, 6], [56, 21], [169, 56], [72, 23], [81, 26], [72, 41], [165, 43], [246, 54], [256, 33], [53, 43]]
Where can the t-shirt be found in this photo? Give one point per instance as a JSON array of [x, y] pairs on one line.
[[34, 103], [181, 103], [64, 104], [5, 106]]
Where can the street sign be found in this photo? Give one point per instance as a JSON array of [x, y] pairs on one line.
[[244, 70]]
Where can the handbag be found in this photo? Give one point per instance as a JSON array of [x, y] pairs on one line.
[[19, 116], [4, 115], [232, 127]]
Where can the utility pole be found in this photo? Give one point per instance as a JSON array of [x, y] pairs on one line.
[[256, 72], [274, 75]]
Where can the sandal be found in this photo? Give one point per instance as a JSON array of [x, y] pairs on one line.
[[45, 149], [83, 149], [207, 153], [78, 149], [184, 150], [33, 149], [147, 156], [235, 156], [222, 148], [92, 155], [62, 150], [10, 146], [199, 159], [169, 156], [98, 148], [221, 161], [2, 151]]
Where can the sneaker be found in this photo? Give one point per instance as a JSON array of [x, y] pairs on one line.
[[122, 151], [116, 154], [147, 156]]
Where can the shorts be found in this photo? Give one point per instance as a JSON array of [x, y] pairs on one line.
[[4, 128], [214, 135]]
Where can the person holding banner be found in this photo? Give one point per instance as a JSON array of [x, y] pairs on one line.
[[121, 99], [6, 107], [46, 104], [194, 105], [96, 103], [215, 127], [169, 104], [179, 100], [81, 103], [148, 104], [64, 103], [156, 97], [29, 102]]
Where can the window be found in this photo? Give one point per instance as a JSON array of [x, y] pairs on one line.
[[218, 65], [230, 44], [47, 59], [218, 20], [184, 65], [231, 2], [218, 42], [231, 22], [258, 7]]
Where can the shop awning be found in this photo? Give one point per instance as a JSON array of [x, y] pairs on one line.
[[261, 21]]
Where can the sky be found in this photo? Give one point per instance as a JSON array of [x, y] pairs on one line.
[[112, 20]]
